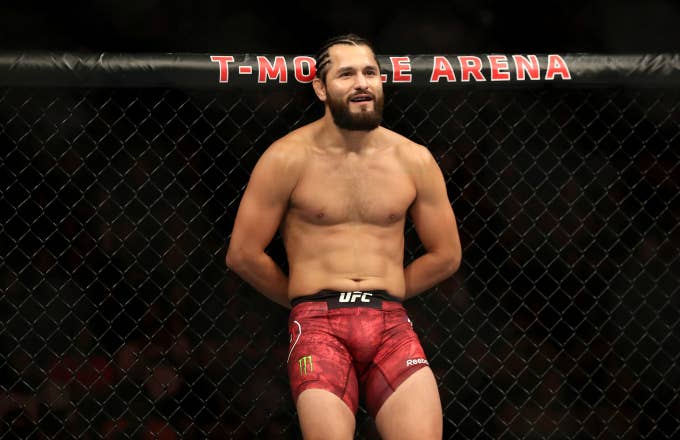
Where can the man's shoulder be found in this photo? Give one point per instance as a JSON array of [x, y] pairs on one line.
[[295, 143], [288, 153], [407, 148]]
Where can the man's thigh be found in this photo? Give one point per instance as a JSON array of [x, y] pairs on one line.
[[319, 361], [414, 410], [323, 415]]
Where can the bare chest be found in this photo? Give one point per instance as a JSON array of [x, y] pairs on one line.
[[369, 191]]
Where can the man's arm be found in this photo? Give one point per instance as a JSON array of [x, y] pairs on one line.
[[262, 207], [435, 224]]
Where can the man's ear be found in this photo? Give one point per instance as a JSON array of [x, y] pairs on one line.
[[319, 89]]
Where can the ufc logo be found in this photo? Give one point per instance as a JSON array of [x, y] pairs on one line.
[[350, 297]]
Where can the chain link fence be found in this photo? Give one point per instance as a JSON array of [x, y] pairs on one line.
[[119, 319]]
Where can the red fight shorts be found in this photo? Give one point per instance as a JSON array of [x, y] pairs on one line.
[[352, 344]]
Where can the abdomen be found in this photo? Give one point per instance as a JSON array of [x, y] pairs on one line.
[[345, 257]]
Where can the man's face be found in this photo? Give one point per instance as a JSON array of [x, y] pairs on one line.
[[353, 89]]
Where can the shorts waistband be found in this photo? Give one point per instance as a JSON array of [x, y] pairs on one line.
[[358, 298]]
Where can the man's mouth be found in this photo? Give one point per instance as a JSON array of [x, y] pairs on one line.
[[361, 98]]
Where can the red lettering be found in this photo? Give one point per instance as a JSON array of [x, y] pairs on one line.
[[442, 68], [499, 68], [303, 64], [470, 66], [269, 71], [527, 65], [557, 66], [401, 68], [223, 61]]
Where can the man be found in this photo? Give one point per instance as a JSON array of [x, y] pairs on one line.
[[339, 189]]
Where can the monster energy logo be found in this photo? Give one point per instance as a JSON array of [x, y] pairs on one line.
[[305, 364]]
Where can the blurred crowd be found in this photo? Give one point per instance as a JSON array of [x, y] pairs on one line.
[[457, 26]]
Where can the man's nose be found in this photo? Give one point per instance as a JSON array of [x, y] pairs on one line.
[[360, 81]]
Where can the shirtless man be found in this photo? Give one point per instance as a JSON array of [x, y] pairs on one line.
[[339, 189]]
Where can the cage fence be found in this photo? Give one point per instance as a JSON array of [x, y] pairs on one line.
[[119, 319]]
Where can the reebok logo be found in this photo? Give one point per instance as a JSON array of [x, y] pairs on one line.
[[418, 361], [350, 297]]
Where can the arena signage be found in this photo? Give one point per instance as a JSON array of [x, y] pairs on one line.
[[256, 71], [403, 69]]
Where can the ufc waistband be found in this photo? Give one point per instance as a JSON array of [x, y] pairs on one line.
[[359, 298]]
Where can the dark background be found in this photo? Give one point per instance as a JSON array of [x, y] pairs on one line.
[[601, 26], [118, 315]]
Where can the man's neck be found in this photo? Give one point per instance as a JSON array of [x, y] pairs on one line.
[[348, 140]]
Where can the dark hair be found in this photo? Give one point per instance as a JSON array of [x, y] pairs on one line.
[[322, 58]]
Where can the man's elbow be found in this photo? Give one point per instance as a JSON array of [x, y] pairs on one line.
[[235, 259], [453, 260]]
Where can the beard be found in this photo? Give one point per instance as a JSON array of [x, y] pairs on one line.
[[365, 120]]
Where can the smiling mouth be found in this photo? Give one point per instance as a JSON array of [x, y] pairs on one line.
[[361, 98]]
